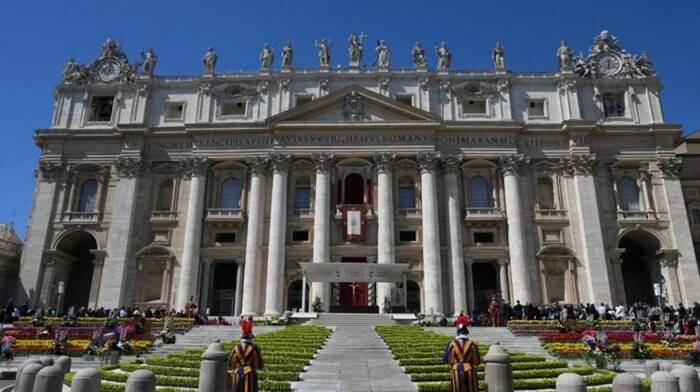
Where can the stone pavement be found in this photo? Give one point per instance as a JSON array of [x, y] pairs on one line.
[[354, 359]]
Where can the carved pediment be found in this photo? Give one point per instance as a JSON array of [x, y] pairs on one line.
[[353, 104]]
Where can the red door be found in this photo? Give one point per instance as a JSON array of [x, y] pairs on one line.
[[354, 294]]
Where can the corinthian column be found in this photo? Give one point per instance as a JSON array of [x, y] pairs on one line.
[[454, 233], [251, 277], [432, 273], [119, 252], [322, 230], [278, 224], [196, 169], [385, 223], [510, 166]]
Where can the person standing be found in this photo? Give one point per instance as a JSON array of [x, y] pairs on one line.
[[246, 360], [462, 355]]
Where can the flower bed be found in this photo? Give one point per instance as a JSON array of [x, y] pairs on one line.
[[178, 324], [657, 350], [537, 326], [420, 354], [285, 352]]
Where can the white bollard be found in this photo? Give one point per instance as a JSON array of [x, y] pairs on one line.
[[499, 371], [141, 381], [49, 379], [662, 381], [687, 378], [570, 382], [626, 382], [86, 380]]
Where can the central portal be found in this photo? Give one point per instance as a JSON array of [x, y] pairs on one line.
[[354, 296]]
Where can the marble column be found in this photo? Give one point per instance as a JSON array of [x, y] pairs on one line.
[[503, 278], [669, 270], [469, 277], [39, 233], [454, 233], [119, 240], [251, 278], [196, 169], [98, 264], [682, 238], [432, 271], [274, 288], [204, 288], [322, 223], [385, 222], [238, 296], [593, 255], [511, 166]]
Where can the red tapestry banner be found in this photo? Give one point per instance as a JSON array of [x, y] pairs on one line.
[[354, 222]]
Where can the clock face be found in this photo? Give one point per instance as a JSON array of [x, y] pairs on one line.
[[608, 64], [108, 70]]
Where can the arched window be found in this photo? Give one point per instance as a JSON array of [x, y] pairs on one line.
[[88, 196], [545, 194], [302, 193], [628, 194], [165, 196], [479, 193], [407, 193], [354, 189], [230, 196]]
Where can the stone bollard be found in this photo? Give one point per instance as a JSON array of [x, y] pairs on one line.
[[499, 371], [212, 372], [86, 380], [687, 378], [666, 366], [626, 382], [18, 375], [650, 367], [64, 362], [49, 379], [25, 383], [570, 382], [47, 361], [662, 381], [141, 381]]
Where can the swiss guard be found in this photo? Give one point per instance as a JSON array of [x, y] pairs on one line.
[[246, 360], [462, 355]]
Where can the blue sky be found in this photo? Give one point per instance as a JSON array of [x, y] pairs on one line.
[[38, 36]]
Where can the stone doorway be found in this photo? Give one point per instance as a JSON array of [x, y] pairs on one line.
[[354, 294], [69, 274], [485, 276], [223, 299], [640, 266]]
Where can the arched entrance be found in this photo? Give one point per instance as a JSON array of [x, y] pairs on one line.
[[294, 295], [412, 297], [354, 189], [640, 267], [72, 270]]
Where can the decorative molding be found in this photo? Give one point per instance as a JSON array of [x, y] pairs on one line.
[[353, 107], [579, 164], [110, 66], [128, 167], [428, 161], [384, 162], [608, 60], [670, 167], [513, 163], [49, 170]]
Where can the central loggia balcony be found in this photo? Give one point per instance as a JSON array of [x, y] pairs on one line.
[[633, 217], [409, 213], [302, 213], [163, 217], [551, 215], [72, 217], [225, 215], [483, 214]]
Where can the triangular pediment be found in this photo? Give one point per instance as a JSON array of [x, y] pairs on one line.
[[354, 104]]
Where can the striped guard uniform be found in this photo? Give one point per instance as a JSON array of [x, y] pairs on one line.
[[246, 360], [462, 355]]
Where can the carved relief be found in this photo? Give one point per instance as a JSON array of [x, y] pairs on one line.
[[578, 164], [49, 170], [670, 167], [353, 107]]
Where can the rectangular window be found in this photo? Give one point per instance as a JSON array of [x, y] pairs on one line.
[[302, 99], [300, 236], [473, 106], [175, 111], [536, 108], [406, 99], [101, 109], [407, 236], [614, 105], [550, 236], [225, 238], [302, 197], [483, 237], [234, 107], [407, 197]]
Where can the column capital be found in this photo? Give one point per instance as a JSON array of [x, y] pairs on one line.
[[258, 165], [280, 162], [427, 161], [614, 255], [669, 257], [128, 167], [670, 167], [100, 255], [513, 163], [502, 261], [583, 164], [323, 162], [196, 166], [451, 162], [383, 162], [469, 261], [49, 170]]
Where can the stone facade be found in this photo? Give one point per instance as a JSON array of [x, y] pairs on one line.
[[531, 186], [10, 251]]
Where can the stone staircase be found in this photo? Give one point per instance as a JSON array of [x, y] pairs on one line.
[[350, 319], [200, 336], [491, 335]]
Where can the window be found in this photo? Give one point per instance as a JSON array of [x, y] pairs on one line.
[[483, 237], [88, 196], [406, 99], [614, 105], [300, 236], [479, 193], [695, 215], [101, 109], [628, 193], [175, 111], [551, 236], [302, 99], [234, 107], [691, 193], [474, 106], [545, 194], [407, 236], [302, 194], [225, 238], [407, 193], [535, 108], [230, 193], [165, 196]]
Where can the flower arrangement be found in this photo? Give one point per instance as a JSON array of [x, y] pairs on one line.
[[601, 353], [6, 351]]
